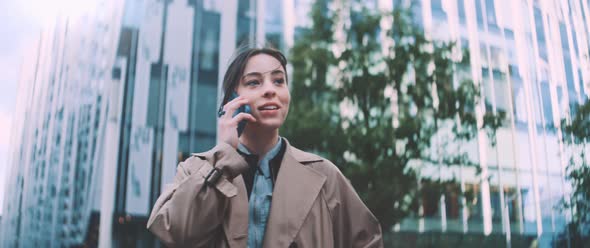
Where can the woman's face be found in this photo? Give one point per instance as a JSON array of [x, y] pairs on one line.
[[264, 84]]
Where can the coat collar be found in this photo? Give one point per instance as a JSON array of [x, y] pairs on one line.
[[296, 190], [294, 193], [299, 155]]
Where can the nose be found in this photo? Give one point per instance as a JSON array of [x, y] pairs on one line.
[[269, 89]]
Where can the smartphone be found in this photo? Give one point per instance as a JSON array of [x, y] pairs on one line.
[[242, 109]]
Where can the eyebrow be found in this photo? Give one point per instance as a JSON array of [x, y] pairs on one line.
[[259, 74]]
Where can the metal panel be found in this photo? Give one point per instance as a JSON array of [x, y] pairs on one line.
[[177, 47], [139, 171], [148, 51], [170, 157]]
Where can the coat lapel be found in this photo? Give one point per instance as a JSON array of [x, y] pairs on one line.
[[235, 225], [297, 187]]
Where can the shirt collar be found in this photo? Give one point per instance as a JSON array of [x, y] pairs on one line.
[[267, 157]]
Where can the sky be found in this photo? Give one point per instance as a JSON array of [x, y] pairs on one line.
[[19, 31]]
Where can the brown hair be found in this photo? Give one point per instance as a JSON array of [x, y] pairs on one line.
[[234, 72]]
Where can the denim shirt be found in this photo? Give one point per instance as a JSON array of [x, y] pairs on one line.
[[261, 197]]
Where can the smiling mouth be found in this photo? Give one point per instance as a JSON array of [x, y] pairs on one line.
[[270, 107]]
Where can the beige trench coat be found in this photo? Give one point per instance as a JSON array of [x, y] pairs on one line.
[[313, 205]]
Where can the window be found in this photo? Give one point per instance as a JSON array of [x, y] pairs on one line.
[[569, 73], [546, 102], [461, 10], [487, 89], [246, 26], [528, 210], [563, 34], [437, 10], [495, 202], [209, 48], [431, 196], [539, 24], [491, 16], [581, 85], [205, 109], [518, 98], [540, 33], [501, 91], [574, 36], [511, 201], [473, 206], [479, 13], [430, 199], [203, 92], [453, 201]]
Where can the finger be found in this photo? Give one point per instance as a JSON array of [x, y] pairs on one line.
[[231, 106], [234, 102], [244, 116], [235, 99]]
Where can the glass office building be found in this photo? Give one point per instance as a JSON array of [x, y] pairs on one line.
[[168, 72], [112, 100], [55, 164], [531, 61]]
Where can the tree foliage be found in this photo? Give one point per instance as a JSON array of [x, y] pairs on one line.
[[370, 98], [576, 134]]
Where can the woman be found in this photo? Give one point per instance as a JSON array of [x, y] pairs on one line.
[[255, 189]]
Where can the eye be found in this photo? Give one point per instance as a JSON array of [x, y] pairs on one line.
[[279, 81], [252, 83]]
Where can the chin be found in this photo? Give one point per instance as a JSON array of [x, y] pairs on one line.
[[270, 125]]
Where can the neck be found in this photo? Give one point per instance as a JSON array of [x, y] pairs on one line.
[[259, 141]]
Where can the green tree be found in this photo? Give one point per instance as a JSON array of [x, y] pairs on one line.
[[371, 100], [576, 134]]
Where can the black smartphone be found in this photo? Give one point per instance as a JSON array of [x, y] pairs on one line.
[[242, 109]]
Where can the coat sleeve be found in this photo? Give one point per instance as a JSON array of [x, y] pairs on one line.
[[189, 212], [354, 224]]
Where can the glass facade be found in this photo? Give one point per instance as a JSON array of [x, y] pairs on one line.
[[525, 75], [55, 166], [172, 64]]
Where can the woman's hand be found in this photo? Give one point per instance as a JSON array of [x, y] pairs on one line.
[[228, 125]]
